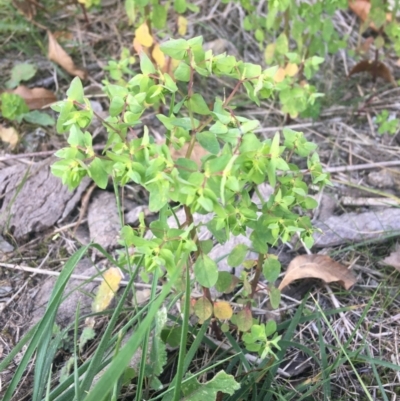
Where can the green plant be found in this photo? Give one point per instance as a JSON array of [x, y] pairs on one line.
[[236, 162], [14, 108], [387, 123], [294, 35]]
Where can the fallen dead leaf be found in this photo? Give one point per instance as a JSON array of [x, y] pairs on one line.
[[35, 98], [375, 68], [393, 259], [27, 8], [317, 266], [9, 135], [57, 54], [362, 8]]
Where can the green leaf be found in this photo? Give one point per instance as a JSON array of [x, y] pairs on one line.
[[116, 106], [169, 83], [270, 328], [206, 271], [221, 382], [159, 19], [206, 245], [172, 335], [13, 107], [208, 141], [236, 257], [203, 309], [182, 73], [146, 65], [130, 11], [274, 297], [21, 72], [98, 173], [158, 352], [271, 268], [282, 44], [75, 91], [224, 282], [244, 319], [310, 203], [176, 49], [180, 6], [197, 104], [40, 118]]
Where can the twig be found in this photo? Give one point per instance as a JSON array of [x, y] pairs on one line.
[[39, 154], [75, 276], [366, 166]]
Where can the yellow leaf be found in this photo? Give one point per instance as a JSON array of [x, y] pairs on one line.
[[9, 135], [203, 309], [107, 289], [280, 75], [158, 56], [142, 35], [182, 25], [291, 69], [269, 53], [222, 310]]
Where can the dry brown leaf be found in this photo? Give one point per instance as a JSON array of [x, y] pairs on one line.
[[317, 266], [393, 259], [197, 153], [9, 135], [26, 7], [35, 98], [57, 54], [362, 8], [375, 68]]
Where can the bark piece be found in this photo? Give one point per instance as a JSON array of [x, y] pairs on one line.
[[79, 294], [357, 227], [33, 200], [103, 219]]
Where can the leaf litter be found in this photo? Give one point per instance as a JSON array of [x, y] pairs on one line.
[[317, 266], [57, 54]]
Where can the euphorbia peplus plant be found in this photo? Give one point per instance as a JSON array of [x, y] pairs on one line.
[[237, 161]]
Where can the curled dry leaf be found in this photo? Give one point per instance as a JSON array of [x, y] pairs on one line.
[[393, 259], [35, 98], [9, 135], [317, 266], [375, 68], [57, 54]]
